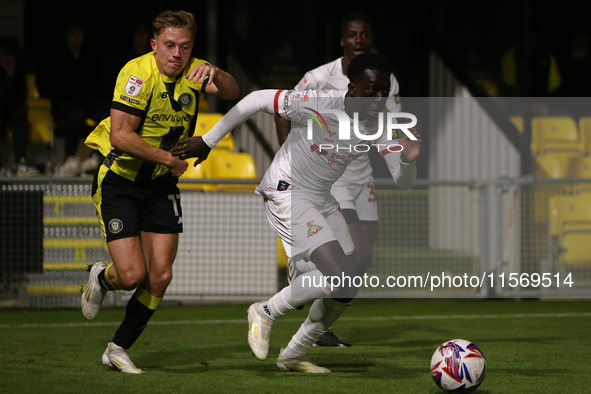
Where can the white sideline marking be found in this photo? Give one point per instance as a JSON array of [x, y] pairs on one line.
[[291, 320]]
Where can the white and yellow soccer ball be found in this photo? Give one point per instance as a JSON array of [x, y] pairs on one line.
[[458, 366]]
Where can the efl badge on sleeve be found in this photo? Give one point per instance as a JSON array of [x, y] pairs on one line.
[[133, 87]]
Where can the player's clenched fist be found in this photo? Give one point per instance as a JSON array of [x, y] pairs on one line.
[[178, 167]]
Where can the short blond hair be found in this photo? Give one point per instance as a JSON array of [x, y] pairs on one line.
[[178, 19]]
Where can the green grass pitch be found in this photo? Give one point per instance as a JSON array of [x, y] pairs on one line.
[[530, 347]]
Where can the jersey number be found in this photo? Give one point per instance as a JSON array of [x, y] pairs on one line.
[[175, 200], [372, 196]]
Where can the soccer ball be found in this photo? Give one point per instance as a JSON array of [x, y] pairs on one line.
[[459, 366]]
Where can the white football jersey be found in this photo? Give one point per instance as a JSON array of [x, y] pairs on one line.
[[315, 164], [330, 76]]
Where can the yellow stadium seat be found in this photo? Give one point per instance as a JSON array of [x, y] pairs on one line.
[[489, 86], [555, 164], [555, 133], [223, 164], [540, 195], [194, 173], [203, 106], [570, 223], [569, 213], [517, 122], [581, 168], [205, 122], [575, 248], [585, 128]]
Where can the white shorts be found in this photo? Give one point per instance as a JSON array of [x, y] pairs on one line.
[[360, 198], [304, 221]]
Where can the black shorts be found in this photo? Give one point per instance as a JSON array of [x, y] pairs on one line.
[[125, 208]]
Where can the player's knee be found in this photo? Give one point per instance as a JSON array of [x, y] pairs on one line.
[[161, 280], [131, 280]]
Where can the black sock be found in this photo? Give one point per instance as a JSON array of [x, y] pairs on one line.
[[134, 323], [103, 282]]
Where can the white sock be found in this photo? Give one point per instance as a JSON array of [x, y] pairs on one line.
[[305, 288], [303, 266], [323, 313]]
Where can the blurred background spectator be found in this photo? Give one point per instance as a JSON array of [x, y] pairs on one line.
[[135, 44], [13, 109], [71, 77], [575, 66], [530, 70], [500, 46], [140, 41]]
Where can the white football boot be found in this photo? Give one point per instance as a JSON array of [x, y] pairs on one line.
[[116, 357], [259, 331], [301, 364], [93, 294]]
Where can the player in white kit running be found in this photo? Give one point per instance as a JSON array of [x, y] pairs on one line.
[[355, 188], [296, 192]]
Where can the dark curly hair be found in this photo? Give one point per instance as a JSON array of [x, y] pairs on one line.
[[356, 17], [367, 61]]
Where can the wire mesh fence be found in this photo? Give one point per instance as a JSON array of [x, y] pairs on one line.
[[509, 238]]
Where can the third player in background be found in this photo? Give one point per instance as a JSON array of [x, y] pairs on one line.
[[355, 189]]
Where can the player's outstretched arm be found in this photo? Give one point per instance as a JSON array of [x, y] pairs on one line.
[[220, 84], [402, 164], [262, 100]]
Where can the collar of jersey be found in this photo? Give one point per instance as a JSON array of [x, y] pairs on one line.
[[169, 79]]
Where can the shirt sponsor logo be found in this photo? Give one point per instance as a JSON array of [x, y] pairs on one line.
[[300, 96], [171, 118], [134, 86], [132, 101]]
